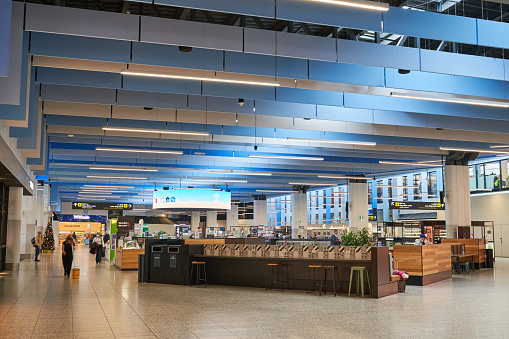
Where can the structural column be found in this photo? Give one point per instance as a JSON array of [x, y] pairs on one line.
[[195, 222], [14, 218], [260, 210], [357, 205], [299, 214], [457, 199], [211, 218], [232, 217]]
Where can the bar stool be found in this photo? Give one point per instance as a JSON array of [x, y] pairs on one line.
[[464, 266], [360, 279], [471, 265], [312, 271], [335, 279], [275, 275], [199, 279]]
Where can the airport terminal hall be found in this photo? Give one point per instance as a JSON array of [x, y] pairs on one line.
[[255, 169]]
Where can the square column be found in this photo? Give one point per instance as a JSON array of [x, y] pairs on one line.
[[195, 222], [260, 212], [457, 199], [299, 214], [14, 218], [232, 217], [357, 205], [211, 218]]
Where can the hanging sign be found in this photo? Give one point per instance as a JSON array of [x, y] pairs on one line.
[[416, 205], [101, 206]]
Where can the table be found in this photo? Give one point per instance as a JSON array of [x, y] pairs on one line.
[[458, 257]]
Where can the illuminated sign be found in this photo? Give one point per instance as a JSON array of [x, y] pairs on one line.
[[192, 199], [101, 206], [414, 205]]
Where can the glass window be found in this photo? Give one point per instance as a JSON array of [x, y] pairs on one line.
[[370, 184], [389, 183], [471, 175], [379, 191], [417, 186], [432, 184], [492, 175], [479, 173], [405, 190]]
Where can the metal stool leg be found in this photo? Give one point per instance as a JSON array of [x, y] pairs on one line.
[[197, 275], [205, 271], [336, 272], [350, 285], [267, 278], [321, 283], [369, 284], [334, 280], [191, 276], [362, 283]]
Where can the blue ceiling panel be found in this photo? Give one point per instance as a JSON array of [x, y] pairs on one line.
[[430, 25], [374, 102], [256, 64], [239, 91], [403, 118], [170, 56], [292, 68], [78, 94], [346, 73], [493, 33], [421, 81], [285, 109], [140, 83], [136, 124], [479, 87], [151, 99], [78, 78], [262, 8], [229, 105], [344, 114], [76, 47], [63, 120], [453, 109], [28, 136], [308, 96], [328, 14], [5, 35]]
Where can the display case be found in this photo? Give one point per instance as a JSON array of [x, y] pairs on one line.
[[406, 232]]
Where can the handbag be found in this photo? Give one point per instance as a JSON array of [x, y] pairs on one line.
[[92, 249]]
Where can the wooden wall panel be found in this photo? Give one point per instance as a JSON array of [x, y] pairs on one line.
[[436, 259], [409, 259], [476, 246]]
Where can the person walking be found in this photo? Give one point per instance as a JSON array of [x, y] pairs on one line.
[[98, 240], [74, 237], [67, 248], [334, 239], [38, 245]]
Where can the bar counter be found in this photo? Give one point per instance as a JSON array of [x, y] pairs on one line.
[[426, 264], [127, 259], [251, 271]]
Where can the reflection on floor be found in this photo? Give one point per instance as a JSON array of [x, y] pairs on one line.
[[39, 302]]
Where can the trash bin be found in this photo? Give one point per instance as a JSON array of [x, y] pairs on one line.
[[173, 265], [157, 267], [489, 258]]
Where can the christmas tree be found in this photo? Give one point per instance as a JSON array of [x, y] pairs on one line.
[[48, 243]]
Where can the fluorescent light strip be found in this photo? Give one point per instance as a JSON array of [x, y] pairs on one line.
[[408, 163], [276, 191], [344, 177], [499, 146], [95, 199], [395, 186], [202, 189], [358, 4], [342, 142], [140, 209], [285, 157], [103, 192], [472, 150], [212, 181], [242, 173], [157, 131], [481, 190], [134, 150], [94, 192], [312, 184], [124, 169], [106, 177], [452, 100], [188, 77], [107, 186]]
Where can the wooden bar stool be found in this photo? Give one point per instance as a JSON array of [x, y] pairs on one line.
[[199, 279], [335, 279], [360, 279], [312, 271], [275, 275]]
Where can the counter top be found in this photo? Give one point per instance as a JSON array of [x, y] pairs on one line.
[[282, 258]]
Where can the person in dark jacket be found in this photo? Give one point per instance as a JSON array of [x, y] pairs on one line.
[[67, 248], [334, 239]]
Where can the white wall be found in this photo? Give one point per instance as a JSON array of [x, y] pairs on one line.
[[493, 207]]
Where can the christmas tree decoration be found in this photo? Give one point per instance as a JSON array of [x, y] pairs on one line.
[[48, 243]]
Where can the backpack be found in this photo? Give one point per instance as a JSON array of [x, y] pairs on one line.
[[33, 241]]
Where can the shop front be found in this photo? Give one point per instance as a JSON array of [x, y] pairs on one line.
[[84, 226]]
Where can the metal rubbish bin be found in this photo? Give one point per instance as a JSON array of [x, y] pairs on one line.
[[157, 267], [141, 267], [173, 265], [489, 258]]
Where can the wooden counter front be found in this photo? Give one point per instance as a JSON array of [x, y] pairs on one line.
[[472, 246], [127, 259], [425, 264]]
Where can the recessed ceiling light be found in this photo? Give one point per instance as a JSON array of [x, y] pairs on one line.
[[409, 163], [285, 157], [226, 181], [123, 169], [451, 99], [107, 177], [241, 173], [312, 184]]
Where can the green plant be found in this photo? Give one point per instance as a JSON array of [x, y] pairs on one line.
[[360, 238], [160, 233]]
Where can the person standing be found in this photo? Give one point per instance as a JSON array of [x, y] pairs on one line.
[[38, 245], [67, 256], [334, 239], [98, 249], [74, 237]]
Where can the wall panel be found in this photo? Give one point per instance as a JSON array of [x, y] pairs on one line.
[[306, 47], [262, 8], [493, 33], [346, 73]]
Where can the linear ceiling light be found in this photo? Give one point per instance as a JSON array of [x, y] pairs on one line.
[[276, 191], [481, 189], [213, 79], [455, 100], [408, 163], [107, 186], [157, 131], [103, 192], [285, 157], [312, 184], [134, 150], [342, 142], [242, 173], [344, 177], [396, 186], [106, 177], [358, 4], [212, 180], [499, 146], [124, 169], [472, 150], [201, 189]]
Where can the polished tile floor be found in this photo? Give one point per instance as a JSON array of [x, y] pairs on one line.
[[39, 302]]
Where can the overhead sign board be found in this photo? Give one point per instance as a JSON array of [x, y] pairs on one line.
[[416, 205], [192, 199], [101, 206]]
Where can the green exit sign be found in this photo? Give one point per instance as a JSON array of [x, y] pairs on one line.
[[361, 217]]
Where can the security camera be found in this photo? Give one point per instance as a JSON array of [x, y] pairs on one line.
[[255, 148], [241, 102]]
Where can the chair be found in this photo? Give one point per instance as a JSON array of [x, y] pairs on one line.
[[275, 276], [464, 267], [360, 279], [335, 279], [312, 272], [199, 279]]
